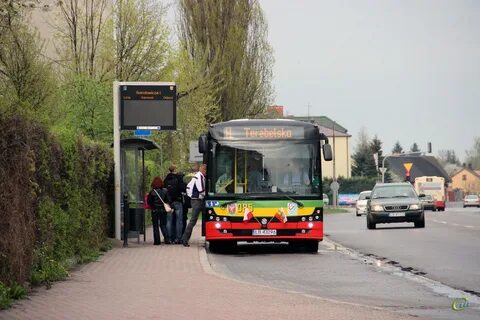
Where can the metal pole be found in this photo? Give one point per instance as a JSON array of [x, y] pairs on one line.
[[126, 219], [116, 157], [383, 168]]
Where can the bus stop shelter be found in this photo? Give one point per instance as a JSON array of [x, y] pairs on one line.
[[132, 159]]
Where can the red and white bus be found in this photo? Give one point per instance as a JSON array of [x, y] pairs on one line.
[[434, 186]]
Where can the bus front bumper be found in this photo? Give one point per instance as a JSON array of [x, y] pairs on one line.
[[254, 231]]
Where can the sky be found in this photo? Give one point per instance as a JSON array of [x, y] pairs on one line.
[[406, 71]]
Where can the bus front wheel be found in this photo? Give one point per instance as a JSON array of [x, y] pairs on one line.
[[222, 246], [311, 246]]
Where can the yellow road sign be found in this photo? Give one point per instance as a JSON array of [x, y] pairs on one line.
[[408, 166]]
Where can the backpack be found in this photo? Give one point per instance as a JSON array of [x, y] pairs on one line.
[[174, 186]]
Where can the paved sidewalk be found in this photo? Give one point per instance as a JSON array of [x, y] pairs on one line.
[[173, 282]]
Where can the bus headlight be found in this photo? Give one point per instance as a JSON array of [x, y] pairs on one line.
[[217, 225]]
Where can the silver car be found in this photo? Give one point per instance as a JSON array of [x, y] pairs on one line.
[[325, 200], [361, 204]]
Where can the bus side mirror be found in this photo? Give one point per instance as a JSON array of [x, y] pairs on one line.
[[327, 152], [202, 143]]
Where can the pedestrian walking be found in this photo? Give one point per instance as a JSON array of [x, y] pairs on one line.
[[196, 192], [162, 220]]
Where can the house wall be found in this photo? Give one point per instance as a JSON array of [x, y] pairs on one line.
[[467, 181], [341, 159]]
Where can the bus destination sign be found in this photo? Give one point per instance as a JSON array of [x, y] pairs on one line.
[[262, 133]]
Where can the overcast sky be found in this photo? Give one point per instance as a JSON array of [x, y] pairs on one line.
[[404, 70]]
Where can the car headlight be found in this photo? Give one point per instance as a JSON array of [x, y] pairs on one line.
[[415, 206], [377, 207]]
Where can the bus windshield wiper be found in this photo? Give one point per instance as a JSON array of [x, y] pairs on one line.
[[300, 204]]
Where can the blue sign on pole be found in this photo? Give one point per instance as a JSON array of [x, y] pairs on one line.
[[142, 133]]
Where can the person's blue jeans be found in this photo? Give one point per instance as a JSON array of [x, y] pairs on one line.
[[177, 229]]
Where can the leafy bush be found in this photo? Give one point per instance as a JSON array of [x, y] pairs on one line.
[[7, 294], [56, 202]]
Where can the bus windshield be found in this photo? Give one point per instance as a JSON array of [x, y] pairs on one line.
[[256, 167]]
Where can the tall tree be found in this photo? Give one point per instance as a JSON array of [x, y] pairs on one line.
[[142, 46], [414, 148], [473, 155], [230, 39], [199, 100], [397, 148], [363, 162], [26, 80], [448, 157], [82, 30]]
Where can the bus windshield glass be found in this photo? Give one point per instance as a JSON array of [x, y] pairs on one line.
[[255, 167]]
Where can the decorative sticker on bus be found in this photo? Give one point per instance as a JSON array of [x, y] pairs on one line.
[[292, 208]]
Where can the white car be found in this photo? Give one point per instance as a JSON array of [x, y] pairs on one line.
[[325, 200], [361, 205], [471, 200]]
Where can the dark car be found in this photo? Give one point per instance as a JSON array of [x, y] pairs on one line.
[[394, 202], [428, 203]]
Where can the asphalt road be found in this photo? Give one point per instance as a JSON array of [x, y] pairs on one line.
[[447, 250], [396, 267]]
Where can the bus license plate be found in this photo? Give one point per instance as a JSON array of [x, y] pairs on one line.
[[264, 232], [396, 214]]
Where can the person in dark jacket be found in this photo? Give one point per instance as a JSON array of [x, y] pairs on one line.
[[175, 186], [159, 213]]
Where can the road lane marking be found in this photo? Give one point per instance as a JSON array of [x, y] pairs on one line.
[[396, 270], [455, 224]]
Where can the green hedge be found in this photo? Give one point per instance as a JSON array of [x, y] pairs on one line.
[[350, 185], [57, 200]]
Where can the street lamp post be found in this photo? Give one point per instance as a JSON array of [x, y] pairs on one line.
[[383, 169]]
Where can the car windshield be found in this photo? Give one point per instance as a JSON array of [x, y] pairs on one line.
[[364, 195], [472, 196], [394, 191], [427, 197]]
